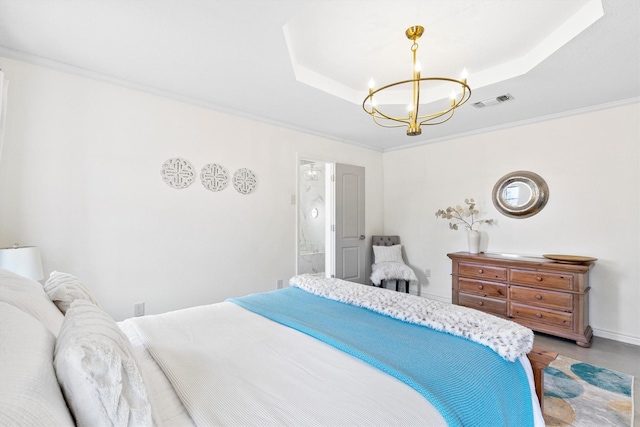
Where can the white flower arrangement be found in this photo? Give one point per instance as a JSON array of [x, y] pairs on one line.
[[463, 216]]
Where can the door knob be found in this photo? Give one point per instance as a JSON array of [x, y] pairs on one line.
[[362, 237]]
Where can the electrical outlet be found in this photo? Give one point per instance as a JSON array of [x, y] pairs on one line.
[[138, 309], [279, 284], [427, 272]]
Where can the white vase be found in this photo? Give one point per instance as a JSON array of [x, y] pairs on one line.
[[474, 241]]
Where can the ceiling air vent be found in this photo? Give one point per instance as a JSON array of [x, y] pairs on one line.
[[493, 101]]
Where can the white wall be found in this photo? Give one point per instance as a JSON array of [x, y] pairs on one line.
[[80, 178], [591, 163]]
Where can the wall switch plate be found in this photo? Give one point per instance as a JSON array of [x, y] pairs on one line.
[[138, 309], [427, 272], [279, 284]]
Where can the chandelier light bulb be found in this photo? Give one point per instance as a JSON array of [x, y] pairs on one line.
[[464, 74], [371, 83], [418, 67]]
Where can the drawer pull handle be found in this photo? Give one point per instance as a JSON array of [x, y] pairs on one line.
[[480, 303], [481, 271], [539, 279], [538, 297], [480, 287], [538, 315]]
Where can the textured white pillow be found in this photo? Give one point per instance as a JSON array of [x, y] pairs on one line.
[[29, 296], [388, 253], [97, 372], [29, 391], [64, 288]]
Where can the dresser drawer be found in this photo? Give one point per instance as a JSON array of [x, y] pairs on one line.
[[540, 278], [549, 299], [482, 271], [485, 289], [489, 305], [541, 315]]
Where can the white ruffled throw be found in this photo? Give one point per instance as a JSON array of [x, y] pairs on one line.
[[391, 271]]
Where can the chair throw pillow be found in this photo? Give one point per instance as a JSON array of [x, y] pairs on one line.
[[388, 253]]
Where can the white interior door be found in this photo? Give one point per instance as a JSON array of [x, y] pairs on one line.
[[349, 223]]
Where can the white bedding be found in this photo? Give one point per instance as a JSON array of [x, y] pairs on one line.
[[248, 370], [168, 410], [244, 369], [222, 363]]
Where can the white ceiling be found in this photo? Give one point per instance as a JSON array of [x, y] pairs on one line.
[[306, 64]]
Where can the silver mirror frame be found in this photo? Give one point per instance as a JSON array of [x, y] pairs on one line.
[[538, 200]]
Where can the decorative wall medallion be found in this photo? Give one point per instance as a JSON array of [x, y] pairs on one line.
[[214, 177], [177, 173], [244, 181]]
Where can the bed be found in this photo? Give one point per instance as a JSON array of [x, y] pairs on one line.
[[320, 352]]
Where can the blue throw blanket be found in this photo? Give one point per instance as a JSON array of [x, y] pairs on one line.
[[468, 383]]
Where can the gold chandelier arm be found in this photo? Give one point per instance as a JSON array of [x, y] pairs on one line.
[[375, 120], [464, 97], [381, 115], [430, 122], [377, 114]]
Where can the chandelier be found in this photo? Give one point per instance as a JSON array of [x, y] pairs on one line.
[[311, 174], [414, 118]]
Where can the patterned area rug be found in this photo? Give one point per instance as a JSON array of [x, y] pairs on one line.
[[582, 395]]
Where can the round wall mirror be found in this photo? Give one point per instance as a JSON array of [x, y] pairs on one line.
[[520, 194]]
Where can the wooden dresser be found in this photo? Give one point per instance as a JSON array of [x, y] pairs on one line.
[[538, 293]]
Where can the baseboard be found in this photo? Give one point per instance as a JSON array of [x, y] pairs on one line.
[[616, 336], [437, 297]]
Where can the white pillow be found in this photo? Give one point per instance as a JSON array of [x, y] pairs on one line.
[[388, 253], [97, 372], [29, 391], [29, 296], [64, 288]]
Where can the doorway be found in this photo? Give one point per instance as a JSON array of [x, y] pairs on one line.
[[331, 220], [314, 216]]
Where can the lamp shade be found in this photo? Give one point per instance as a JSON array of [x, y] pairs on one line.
[[22, 260]]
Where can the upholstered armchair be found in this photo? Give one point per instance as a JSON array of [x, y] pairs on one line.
[[388, 263]]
